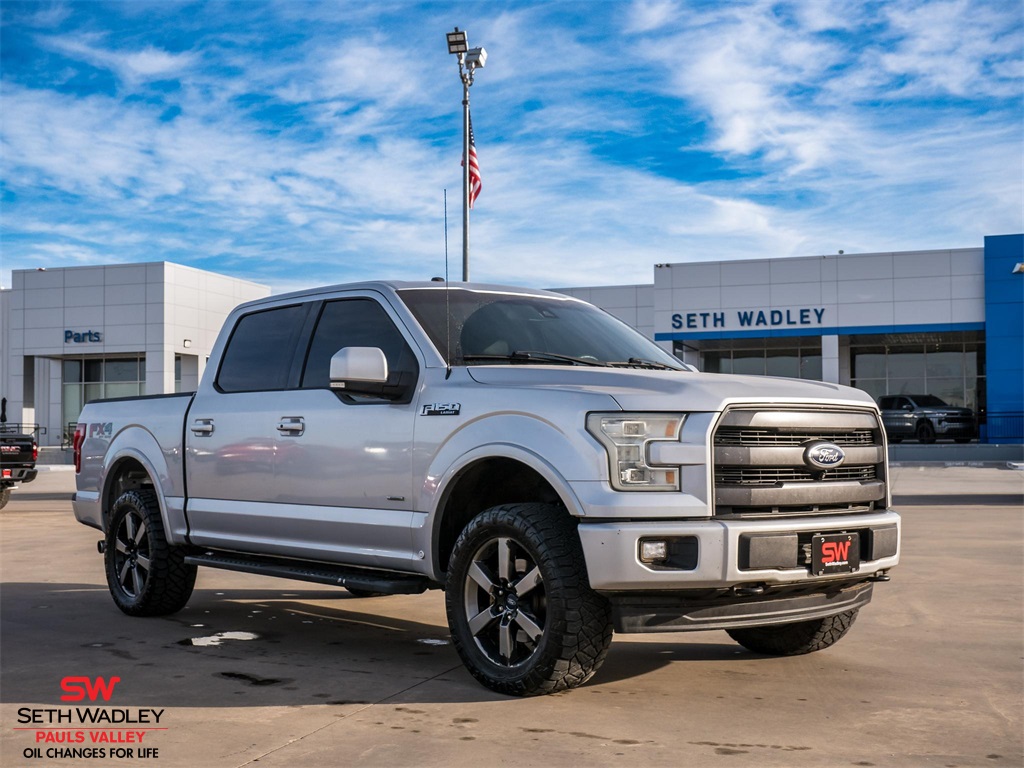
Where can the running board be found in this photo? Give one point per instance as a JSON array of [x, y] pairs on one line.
[[320, 573]]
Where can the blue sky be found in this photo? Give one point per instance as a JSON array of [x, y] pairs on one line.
[[303, 143]]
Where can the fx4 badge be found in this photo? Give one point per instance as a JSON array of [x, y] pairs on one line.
[[442, 409]]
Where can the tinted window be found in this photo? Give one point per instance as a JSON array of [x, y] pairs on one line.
[[355, 323], [260, 351], [489, 327], [886, 403]]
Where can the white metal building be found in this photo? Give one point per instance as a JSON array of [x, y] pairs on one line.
[[75, 334], [944, 322]]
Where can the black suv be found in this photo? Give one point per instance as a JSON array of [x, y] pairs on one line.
[[926, 417]]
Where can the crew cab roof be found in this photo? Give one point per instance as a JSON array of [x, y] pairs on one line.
[[393, 286]]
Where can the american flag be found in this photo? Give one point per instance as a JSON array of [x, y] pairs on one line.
[[476, 182]]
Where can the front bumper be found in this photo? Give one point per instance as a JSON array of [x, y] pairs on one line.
[[612, 551], [683, 612], [955, 428]]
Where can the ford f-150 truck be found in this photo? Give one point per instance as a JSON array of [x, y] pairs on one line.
[[557, 474]]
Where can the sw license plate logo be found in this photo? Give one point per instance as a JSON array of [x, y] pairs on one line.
[[835, 553]]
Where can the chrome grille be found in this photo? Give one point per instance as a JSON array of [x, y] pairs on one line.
[[769, 476], [760, 469], [741, 436]]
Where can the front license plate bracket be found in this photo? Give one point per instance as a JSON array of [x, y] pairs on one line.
[[835, 553]]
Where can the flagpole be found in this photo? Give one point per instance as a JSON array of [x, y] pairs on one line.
[[465, 179], [470, 59]]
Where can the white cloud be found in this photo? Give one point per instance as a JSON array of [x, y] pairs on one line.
[[148, 63]]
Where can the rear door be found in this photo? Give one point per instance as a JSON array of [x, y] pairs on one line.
[[231, 429]]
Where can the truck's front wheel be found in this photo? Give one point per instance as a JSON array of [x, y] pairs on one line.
[[146, 576], [797, 638], [521, 611]]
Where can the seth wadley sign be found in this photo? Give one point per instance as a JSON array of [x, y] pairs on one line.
[[749, 318]]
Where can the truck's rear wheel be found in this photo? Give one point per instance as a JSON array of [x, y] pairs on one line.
[[521, 611], [146, 576], [797, 638], [5, 496]]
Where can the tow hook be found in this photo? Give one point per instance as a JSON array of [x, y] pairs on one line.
[[881, 576], [101, 546], [749, 591]]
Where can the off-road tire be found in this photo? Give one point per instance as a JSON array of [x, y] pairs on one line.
[[925, 432], [146, 576], [797, 638], [539, 628], [5, 496]]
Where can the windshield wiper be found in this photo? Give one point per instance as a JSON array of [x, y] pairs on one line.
[[525, 356], [638, 362]]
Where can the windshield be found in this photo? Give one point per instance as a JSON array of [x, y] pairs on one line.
[[486, 327]]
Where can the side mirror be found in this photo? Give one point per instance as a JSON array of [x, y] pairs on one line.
[[359, 370], [908, 407]]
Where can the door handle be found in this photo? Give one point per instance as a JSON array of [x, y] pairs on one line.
[[202, 427], [291, 425]]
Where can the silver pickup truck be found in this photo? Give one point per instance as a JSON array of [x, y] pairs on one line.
[[556, 473]]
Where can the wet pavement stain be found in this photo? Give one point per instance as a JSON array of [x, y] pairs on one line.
[[250, 679]]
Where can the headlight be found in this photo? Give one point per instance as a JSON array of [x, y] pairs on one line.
[[626, 436]]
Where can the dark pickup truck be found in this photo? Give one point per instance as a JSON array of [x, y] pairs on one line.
[[18, 454], [926, 418]]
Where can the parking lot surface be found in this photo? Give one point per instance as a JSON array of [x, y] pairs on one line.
[[258, 671]]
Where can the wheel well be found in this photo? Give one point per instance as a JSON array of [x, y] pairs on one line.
[[482, 485], [126, 475]]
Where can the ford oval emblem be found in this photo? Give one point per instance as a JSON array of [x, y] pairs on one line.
[[824, 455]]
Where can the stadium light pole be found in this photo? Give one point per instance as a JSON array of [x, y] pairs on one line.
[[469, 60]]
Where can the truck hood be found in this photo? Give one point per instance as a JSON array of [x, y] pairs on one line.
[[645, 390]]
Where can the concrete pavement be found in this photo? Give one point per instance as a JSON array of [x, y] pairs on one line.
[[931, 674]]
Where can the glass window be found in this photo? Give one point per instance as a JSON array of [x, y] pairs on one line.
[[810, 367], [93, 392], [874, 387], [717, 362], [355, 323], [748, 362], [485, 327], [943, 361], [121, 370], [94, 370], [72, 371], [783, 362], [260, 351], [868, 362], [907, 362], [908, 386], [121, 389]]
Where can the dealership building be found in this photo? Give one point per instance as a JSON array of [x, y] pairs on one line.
[[949, 323], [76, 334]]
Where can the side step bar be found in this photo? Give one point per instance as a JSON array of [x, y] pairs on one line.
[[319, 573]]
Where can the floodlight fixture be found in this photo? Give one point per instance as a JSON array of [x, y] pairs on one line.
[[457, 42], [476, 57]]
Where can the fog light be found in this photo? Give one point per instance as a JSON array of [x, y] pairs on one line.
[[653, 551]]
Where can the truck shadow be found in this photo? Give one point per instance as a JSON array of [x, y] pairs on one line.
[[267, 647]]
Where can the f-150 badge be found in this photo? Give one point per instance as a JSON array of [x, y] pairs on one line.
[[442, 409]]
